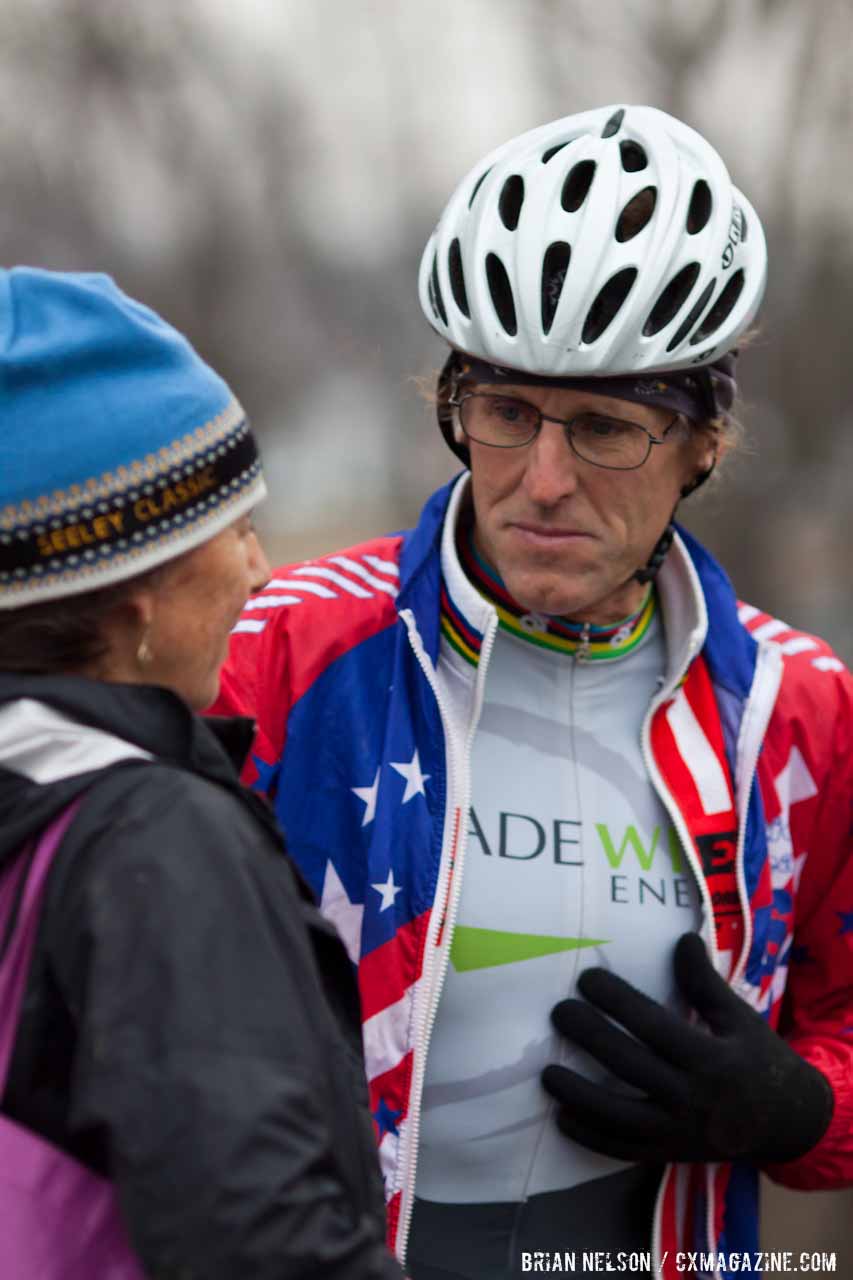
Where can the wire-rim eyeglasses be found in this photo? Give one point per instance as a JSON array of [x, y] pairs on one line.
[[615, 444]]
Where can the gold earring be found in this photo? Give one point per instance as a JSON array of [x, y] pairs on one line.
[[144, 653]]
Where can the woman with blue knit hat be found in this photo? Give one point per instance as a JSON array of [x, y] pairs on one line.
[[180, 1058]]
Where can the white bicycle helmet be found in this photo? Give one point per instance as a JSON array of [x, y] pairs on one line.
[[605, 243]]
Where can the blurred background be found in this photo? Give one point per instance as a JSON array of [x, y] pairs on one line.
[[266, 173]]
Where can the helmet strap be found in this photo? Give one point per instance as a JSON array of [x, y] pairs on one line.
[[664, 542], [656, 559]]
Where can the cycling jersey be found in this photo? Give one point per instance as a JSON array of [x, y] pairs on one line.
[[571, 861], [746, 745]]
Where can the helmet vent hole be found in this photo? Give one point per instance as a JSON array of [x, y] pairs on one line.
[[478, 184], [700, 207], [554, 267], [743, 226], [457, 278], [552, 151], [576, 186], [695, 312], [721, 309], [637, 214], [607, 304], [435, 293], [501, 293], [512, 198], [614, 124], [671, 300], [634, 157]]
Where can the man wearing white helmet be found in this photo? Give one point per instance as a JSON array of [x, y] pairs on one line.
[[582, 820]]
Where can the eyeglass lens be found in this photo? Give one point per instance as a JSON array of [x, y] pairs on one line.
[[506, 422]]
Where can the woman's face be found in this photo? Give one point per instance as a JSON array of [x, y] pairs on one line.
[[193, 605]]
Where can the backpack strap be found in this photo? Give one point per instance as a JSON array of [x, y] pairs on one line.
[[22, 887]]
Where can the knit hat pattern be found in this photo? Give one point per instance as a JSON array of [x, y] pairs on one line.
[[120, 448]]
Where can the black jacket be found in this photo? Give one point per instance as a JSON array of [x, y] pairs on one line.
[[190, 1026]]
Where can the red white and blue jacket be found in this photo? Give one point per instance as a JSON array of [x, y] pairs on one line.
[[749, 745]]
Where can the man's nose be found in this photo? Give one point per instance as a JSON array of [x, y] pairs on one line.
[[551, 470]]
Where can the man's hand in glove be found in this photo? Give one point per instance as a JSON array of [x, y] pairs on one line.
[[731, 1089]]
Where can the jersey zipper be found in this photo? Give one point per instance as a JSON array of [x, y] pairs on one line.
[[582, 651], [440, 930]]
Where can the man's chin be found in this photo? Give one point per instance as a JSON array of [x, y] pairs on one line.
[[557, 598]]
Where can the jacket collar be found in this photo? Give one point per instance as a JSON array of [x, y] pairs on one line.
[[729, 649], [420, 567], [58, 732], [152, 719]]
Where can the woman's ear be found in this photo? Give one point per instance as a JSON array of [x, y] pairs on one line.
[[135, 611], [131, 617]]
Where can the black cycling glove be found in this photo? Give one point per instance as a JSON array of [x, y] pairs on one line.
[[732, 1089]]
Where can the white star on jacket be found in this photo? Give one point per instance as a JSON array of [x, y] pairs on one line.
[[369, 795], [795, 783], [414, 778], [388, 890], [345, 915]]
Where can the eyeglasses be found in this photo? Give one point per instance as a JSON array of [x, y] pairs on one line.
[[505, 422]]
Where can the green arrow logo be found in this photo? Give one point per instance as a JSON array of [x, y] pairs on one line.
[[487, 948]]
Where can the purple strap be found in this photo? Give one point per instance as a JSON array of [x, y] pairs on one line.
[[58, 1220], [15, 963]]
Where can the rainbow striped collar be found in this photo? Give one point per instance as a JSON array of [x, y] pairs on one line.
[[560, 635]]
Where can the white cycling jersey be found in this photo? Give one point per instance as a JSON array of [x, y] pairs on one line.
[[570, 862]]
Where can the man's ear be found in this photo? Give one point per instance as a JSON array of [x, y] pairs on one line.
[[711, 445], [701, 460], [708, 447], [721, 444], [458, 433]]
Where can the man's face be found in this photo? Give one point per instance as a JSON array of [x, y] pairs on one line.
[[567, 536]]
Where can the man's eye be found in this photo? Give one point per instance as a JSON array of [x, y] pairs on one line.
[[603, 428], [511, 411]]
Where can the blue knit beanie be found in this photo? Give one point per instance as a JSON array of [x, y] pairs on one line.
[[119, 447]]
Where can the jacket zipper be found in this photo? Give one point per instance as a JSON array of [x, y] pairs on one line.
[[440, 926], [759, 708], [768, 667], [687, 844]]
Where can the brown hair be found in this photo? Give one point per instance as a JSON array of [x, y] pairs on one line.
[[62, 637]]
